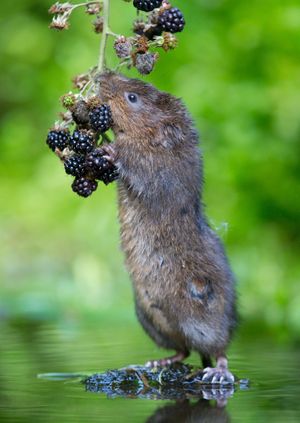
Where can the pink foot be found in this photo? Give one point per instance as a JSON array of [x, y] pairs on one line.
[[220, 374], [168, 360], [220, 394]]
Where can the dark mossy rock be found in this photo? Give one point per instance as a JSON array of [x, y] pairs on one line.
[[178, 381]]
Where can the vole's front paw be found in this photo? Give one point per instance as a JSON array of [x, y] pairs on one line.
[[110, 153]]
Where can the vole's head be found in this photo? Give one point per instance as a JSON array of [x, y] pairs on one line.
[[140, 111]]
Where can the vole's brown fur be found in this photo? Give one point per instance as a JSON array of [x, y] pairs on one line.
[[183, 285]]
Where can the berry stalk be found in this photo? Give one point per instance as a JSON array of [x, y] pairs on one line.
[[105, 33], [79, 148]]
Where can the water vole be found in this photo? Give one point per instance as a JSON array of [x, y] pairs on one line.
[[183, 286]]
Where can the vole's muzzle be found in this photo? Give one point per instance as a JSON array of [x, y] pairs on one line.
[[108, 87]]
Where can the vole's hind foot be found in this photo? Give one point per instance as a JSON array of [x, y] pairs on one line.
[[219, 374], [179, 356], [109, 153]]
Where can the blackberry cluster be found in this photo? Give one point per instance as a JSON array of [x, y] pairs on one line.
[[171, 20], [100, 118], [100, 167], [58, 139], [147, 5], [79, 153], [153, 30]]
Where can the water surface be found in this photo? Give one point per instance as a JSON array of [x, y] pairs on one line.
[[33, 348]]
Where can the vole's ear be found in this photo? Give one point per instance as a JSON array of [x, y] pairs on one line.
[[170, 133]]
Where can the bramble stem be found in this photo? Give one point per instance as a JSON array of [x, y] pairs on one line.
[[105, 33], [75, 6]]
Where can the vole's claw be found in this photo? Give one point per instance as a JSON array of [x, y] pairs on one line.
[[220, 395], [218, 375], [179, 356], [216, 378], [109, 153]]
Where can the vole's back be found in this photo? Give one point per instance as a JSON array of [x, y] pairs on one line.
[[182, 283]]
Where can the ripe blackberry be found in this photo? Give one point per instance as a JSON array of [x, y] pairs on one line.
[[58, 139], [96, 163], [100, 168], [84, 186], [75, 165], [82, 141], [147, 5], [171, 20], [110, 175], [100, 118]]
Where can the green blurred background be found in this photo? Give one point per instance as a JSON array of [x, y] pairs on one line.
[[237, 68]]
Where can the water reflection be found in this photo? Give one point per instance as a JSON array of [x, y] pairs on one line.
[[185, 411], [33, 348]]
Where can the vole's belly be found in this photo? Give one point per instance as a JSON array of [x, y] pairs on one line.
[[156, 275], [174, 311], [162, 304], [151, 272]]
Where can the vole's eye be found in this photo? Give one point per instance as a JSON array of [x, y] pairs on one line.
[[133, 99]]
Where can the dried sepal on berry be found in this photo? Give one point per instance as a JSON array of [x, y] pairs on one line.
[[80, 81], [63, 155], [66, 117], [151, 27], [144, 63], [60, 8], [123, 47], [59, 22], [98, 24], [93, 8], [165, 5], [142, 44], [93, 102], [139, 26]]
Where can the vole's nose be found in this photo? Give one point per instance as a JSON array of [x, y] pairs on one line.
[[107, 84]]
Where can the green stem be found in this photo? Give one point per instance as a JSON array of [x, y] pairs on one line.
[[105, 33], [75, 6]]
